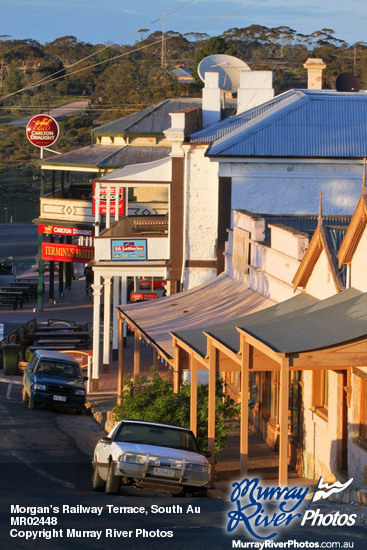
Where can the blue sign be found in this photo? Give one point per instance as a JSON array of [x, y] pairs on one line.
[[129, 250]]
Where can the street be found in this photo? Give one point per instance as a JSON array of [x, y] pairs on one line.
[[21, 242], [45, 461]]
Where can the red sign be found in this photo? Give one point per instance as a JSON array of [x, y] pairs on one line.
[[42, 130], [103, 200], [136, 296], [148, 284], [70, 231], [67, 253]]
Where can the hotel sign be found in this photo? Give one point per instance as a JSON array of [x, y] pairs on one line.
[[129, 250], [42, 130], [67, 253], [68, 231], [103, 200], [138, 296]]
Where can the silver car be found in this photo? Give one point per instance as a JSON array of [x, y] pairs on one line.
[[149, 455]]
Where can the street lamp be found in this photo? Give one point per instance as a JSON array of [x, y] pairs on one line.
[[6, 214]]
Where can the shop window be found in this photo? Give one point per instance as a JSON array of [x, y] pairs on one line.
[[320, 391], [363, 421]]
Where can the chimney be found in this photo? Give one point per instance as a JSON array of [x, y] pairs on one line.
[[256, 87], [211, 99], [314, 66]]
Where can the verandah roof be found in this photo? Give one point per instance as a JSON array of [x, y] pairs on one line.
[[219, 300]]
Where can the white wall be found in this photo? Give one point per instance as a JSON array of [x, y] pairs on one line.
[[321, 283], [293, 187], [202, 215], [359, 265]]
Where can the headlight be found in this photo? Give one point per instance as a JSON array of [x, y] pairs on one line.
[[79, 392], [133, 459], [201, 468], [41, 387]]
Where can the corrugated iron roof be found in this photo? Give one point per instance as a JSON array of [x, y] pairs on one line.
[[109, 155], [220, 299], [311, 124], [225, 127], [153, 120]]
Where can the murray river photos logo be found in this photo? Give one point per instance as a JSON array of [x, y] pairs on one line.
[[263, 511]]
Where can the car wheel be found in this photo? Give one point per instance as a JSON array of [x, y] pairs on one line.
[[113, 482], [98, 483], [31, 403], [24, 395]]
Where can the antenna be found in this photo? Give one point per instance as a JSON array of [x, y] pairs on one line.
[[164, 49], [320, 210], [228, 67]]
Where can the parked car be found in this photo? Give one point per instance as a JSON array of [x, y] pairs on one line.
[[149, 455], [54, 378]]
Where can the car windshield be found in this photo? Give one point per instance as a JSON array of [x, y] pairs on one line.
[[161, 436], [56, 368]]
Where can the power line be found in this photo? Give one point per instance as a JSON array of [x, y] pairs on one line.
[[134, 50], [48, 78]]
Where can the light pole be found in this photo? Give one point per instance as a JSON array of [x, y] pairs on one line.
[[6, 214]]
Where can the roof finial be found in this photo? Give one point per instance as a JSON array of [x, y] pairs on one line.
[[320, 210], [364, 178]]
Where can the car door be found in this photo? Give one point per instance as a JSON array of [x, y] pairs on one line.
[[28, 373]]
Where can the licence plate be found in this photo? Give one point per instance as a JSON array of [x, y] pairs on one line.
[[59, 398], [166, 472]]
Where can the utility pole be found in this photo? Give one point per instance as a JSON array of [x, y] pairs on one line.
[[163, 48]]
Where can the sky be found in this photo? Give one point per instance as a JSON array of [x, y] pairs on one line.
[[103, 21]]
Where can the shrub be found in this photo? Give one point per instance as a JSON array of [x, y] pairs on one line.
[[153, 400]]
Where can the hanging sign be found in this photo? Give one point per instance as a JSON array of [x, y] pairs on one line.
[[137, 296], [124, 249], [69, 231], [103, 200], [42, 130], [67, 253]]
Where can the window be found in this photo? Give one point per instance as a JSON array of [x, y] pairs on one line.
[[363, 421], [320, 391]]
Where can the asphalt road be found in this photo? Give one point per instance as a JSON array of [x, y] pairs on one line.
[[20, 241], [58, 112], [45, 461]]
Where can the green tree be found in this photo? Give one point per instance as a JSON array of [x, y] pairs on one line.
[[154, 401]]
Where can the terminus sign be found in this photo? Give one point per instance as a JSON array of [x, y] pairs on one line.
[[67, 253]]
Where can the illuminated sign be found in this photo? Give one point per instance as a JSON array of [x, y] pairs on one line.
[[137, 296], [69, 231], [42, 130], [67, 253], [129, 250]]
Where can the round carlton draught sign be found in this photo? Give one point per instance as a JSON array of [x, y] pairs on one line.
[[42, 130]]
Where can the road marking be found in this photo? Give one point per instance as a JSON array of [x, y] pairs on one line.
[[9, 390], [15, 382], [30, 465]]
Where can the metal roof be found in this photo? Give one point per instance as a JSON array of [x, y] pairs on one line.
[[220, 299], [227, 333], [305, 124], [153, 120], [109, 155], [225, 127], [333, 321]]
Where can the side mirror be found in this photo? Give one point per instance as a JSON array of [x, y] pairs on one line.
[[105, 440], [207, 454]]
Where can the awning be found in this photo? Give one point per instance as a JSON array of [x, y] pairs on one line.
[[156, 171], [219, 300], [336, 320]]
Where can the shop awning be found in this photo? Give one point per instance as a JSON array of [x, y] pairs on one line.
[[220, 300]]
